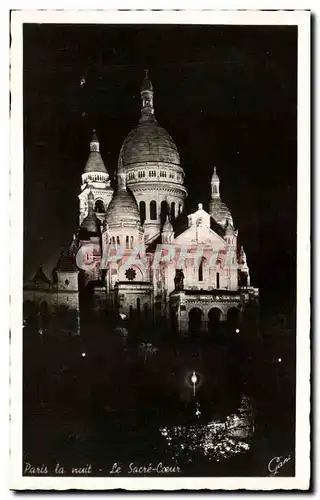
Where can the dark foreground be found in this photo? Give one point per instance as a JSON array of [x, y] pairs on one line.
[[106, 403]]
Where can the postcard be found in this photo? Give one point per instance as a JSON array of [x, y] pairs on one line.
[[160, 250]]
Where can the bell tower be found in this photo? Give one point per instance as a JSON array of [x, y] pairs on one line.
[[95, 179]]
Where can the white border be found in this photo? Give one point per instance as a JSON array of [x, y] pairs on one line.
[[302, 20]]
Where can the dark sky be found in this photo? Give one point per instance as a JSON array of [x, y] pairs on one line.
[[226, 94]]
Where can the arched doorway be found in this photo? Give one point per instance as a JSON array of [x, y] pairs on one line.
[[214, 318], [195, 321], [233, 316]]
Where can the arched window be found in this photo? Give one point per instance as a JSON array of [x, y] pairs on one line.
[[113, 240], [180, 209], [118, 240], [130, 312], [173, 208], [127, 242], [218, 280], [200, 270], [214, 189], [164, 211], [153, 210], [131, 242], [142, 207]]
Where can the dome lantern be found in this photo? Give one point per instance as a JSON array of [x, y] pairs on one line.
[[215, 184], [146, 92]]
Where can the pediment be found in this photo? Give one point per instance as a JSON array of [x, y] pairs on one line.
[[200, 235]]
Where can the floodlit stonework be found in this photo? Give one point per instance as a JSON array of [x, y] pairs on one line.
[[128, 254]]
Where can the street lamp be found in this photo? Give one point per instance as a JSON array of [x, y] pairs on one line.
[[194, 380]]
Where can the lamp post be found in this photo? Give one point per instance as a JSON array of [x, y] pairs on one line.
[[194, 380]]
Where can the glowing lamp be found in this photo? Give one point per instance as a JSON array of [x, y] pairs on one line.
[[83, 354], [237, 330], [194, 378], [279, 360]]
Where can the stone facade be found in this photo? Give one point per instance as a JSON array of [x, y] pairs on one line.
[[128, 250]]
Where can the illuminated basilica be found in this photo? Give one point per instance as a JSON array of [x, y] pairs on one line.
[[131, 255]]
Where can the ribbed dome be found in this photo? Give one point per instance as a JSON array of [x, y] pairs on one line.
[[150, 143], [220, 212], [123, 206], [95, 163]]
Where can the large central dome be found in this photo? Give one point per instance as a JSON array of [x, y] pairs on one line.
[[148, 142], [150, 162]]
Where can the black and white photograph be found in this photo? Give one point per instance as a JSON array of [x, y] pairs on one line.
[[161, 335]]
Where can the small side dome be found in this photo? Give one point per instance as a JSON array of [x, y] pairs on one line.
[[91, 223], [123, 207], [220, 212]]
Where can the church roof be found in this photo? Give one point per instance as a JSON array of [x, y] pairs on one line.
[[152, 247], [217, 228], [91, 223], [123, 208], [219, 211], [148, 142], [95, 162], [66, 263], [40, 279]]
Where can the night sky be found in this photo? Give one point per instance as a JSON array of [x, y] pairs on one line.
[[227, 95]]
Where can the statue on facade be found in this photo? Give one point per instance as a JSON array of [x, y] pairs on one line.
[[178, 280]]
